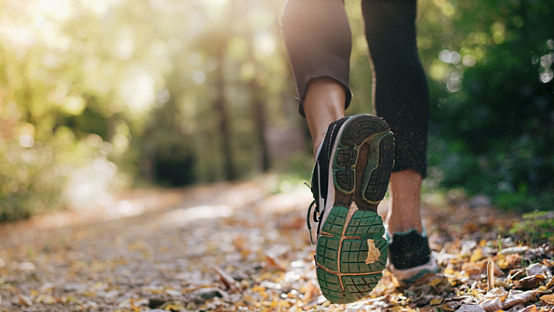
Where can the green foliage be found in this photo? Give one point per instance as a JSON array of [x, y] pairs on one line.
[[535, 227], [492, 126]]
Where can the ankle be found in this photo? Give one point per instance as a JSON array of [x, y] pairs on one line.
[[318, 140], [405, 227]]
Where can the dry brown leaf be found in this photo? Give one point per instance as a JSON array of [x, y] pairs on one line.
[[310, 292], [272, 263], [532, 308], [372, 252], [490, 274], [497, 270], [508, 261], [548, 299], [537, 268], [529, 282], [24, 301], [519, 298], [513, 250], [473, 268], [226, 279], [240, 243], [470, 308], [471, 227], [492, 305], [516, 274], [550, 283]]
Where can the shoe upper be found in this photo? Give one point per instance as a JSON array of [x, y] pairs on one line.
[[321, 175], [408, 250]]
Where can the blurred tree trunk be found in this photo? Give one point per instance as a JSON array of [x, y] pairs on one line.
[[258, 105], [220, 106]]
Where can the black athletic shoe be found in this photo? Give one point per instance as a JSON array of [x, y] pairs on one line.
[[349, 180], [410, 257]]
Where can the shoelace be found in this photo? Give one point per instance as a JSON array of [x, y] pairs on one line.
[[316, 216]]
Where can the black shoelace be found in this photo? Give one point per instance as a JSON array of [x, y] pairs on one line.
[[315, 215]]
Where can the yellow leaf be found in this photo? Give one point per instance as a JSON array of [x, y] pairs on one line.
[[435, 301], [477, 255], [436, 281]]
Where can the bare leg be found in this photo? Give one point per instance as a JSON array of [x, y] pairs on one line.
[[324, 103], [403, 215]]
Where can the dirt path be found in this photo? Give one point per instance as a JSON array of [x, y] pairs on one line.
[[242, 247]]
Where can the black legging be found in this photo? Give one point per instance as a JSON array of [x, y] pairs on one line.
[[318, 39]]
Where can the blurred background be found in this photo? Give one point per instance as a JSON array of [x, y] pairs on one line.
[[101, 96]]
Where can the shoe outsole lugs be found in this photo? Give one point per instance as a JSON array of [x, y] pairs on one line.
[[351, 251]]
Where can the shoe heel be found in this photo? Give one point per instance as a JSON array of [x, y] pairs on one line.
[[357, 132], [376, 177]]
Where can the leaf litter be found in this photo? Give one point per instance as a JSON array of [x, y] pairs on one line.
[[240, 247]]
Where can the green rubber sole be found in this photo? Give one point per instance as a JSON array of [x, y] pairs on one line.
[[346, 270], [351, 251]]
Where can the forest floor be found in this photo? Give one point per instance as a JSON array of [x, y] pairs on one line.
[[244, 247]]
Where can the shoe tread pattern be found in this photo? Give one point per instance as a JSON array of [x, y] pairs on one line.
[[361, 169]]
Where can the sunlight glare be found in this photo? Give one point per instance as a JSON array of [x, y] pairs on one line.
[[183, 216], [138, 90], [215, 3], [265, 43]]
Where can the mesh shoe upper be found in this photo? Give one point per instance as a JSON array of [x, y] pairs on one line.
[[408, 250], [320, 175]]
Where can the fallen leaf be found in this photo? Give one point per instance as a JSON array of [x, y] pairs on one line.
[[529, 282], [516, 274], [492, 305], [513, 250], [516, 298], [537, 268], [226, 279], [508, 261], [548, 299], [550, 283], [470, 308], [310, 292], [472, 268], [477, 255], [532, 308], [373, 252], [490, 274], [496, 292], [271, 262], [24, 301]]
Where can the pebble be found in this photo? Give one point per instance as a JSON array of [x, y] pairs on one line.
[[155, 302], [204, 294]]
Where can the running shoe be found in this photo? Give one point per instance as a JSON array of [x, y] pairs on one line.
[[349, 179], [410, 258]]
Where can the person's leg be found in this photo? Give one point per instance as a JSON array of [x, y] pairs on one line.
[[400, 96], [324, 104], [353, 165], [405, 188], [318, 41]]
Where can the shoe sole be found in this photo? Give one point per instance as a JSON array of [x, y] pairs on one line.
[[351, 252]]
